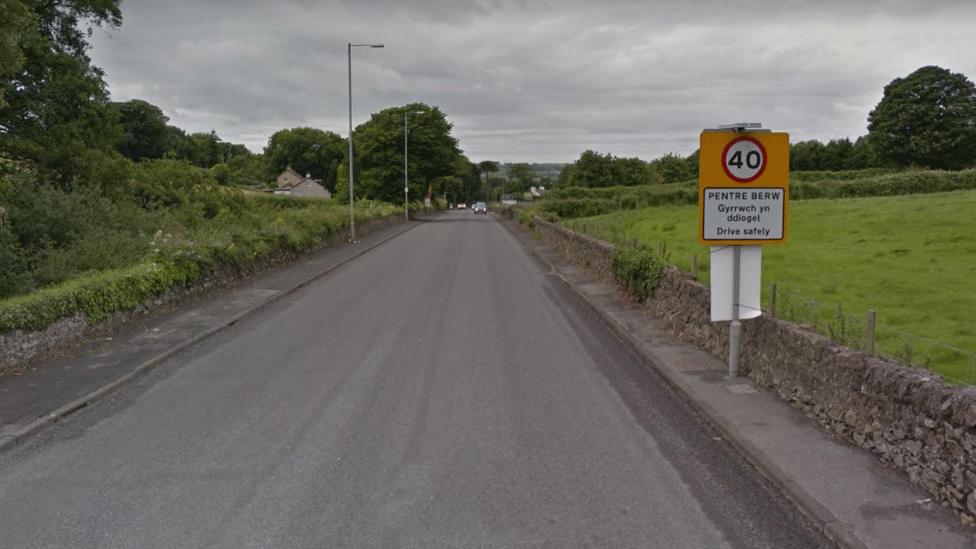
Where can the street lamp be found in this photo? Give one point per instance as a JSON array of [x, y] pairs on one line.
[[352, 217], [406, 178]]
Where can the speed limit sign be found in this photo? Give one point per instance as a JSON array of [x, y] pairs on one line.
[[744, 159], [743, 187]]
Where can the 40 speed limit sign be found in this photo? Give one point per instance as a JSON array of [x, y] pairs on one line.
[[743, 187]]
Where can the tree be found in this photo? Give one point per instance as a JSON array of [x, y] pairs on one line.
[[673, 168], [594, 170], [144, 130], [249, 170], [471, 176], [926, 119], [486, 168], [806, 155], [204, 149], [567, 176], [494, 184], [56, 99], [629, 171], [434, 153], [16, 21], [521, 176], [863, 154], [307, 151], [450, 186]]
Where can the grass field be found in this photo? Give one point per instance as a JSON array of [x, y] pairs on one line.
[[910, 258]]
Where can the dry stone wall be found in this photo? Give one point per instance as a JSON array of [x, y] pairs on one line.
[[910, 418]]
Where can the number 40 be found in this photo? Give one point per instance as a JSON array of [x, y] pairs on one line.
[[753, 160]]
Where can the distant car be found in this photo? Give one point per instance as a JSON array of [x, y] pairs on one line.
[[462, 206], [480, 208]]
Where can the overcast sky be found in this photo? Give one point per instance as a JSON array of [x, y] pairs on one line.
[[528, 80]]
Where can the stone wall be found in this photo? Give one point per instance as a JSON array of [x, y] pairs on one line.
[[910, 418], [593, 255], [21, 348]]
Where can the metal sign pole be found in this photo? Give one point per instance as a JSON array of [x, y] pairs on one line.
[[735, 328]]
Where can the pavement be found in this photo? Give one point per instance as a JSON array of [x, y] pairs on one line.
[[843, 490], [445, 389]]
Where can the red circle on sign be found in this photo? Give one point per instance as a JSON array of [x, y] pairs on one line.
[[765, 159]]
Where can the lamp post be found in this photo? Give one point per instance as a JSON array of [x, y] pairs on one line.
[[352, 217], [406, 178]]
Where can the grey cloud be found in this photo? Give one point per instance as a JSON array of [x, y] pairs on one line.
[[531, 80]]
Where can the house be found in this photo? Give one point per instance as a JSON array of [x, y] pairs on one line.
[[292, 183], [537, 192]]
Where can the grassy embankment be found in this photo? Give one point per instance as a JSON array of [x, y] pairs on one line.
[[98, 251], [909, 257]]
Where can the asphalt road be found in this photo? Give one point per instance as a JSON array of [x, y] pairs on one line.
[[442, 390]]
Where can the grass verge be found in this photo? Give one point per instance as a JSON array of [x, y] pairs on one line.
[[910, 258]]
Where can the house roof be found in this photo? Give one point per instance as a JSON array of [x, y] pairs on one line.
[[299, 177], [290, 186]]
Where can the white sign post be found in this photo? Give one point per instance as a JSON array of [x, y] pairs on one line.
[[743, 198]]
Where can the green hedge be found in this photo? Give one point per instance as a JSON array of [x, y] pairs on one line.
[[96, 296], [842, 175], [639, 269], [910, 182], [572, 202], [272, 225]]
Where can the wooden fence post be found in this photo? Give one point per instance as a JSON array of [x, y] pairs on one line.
[[869, 335]]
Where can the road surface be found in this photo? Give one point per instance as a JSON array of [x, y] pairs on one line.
[[442, 390]]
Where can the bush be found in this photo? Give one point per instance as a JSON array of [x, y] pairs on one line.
[[525, 216], [639, 270]]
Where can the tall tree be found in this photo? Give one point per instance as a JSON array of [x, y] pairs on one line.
[[434, 153], [56, 99], [486, 168], [144, 131], [471, 176], [927, 118], [307, 151], [16, 23]]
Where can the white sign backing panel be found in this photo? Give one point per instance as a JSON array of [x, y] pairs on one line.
[[750, 281]]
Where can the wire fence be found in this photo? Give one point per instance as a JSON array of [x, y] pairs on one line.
[[861, 331], [855, 329]]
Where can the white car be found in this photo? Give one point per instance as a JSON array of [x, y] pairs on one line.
[[462, 206]]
